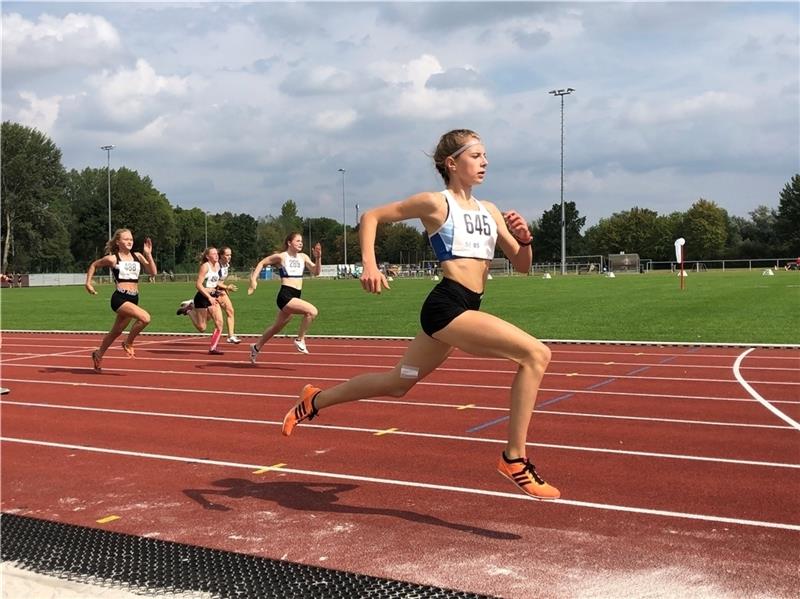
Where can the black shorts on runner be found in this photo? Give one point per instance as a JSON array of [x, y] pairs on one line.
[[446, 301], [285, 294], [201, 301], [119, 297]]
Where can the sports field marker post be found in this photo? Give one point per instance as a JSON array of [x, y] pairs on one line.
[[679, 243]]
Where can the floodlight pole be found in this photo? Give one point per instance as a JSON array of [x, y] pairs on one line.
[[562, 93], [108, 173], [344, 220]]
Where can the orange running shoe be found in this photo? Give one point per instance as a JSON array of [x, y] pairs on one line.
[[522, 473], [128, 350], [96, 360], [304, 410]]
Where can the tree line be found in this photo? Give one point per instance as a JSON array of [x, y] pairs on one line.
[[54, 220]]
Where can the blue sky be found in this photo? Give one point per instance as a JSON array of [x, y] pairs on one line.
[[241, 106]]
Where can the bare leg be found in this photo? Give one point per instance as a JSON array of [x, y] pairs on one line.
[[483, 334], [141, 317], [308, 311], [422, 357], [281, 320], [119, 325]]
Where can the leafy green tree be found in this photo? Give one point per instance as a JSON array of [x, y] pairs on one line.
[[634, 231], [788, 218], [32, 182], [705, 230], [755, 237], [548, 233]]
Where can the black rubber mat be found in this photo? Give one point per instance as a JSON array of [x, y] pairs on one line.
[[156, 567]]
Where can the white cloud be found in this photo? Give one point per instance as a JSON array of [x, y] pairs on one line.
[[40, 113], [334, 120], [131, 93], [707, 103], [51, 43]]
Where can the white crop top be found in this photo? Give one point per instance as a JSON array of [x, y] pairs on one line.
[[464, 233], [291, 266], [126, 270]]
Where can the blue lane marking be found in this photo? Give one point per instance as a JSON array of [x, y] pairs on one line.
[[601, 383], [554, 400], [475, 429], [638, 370]]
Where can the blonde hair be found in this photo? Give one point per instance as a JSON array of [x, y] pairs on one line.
[[203, 257], [112, 245]]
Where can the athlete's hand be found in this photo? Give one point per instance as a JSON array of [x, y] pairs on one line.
[[373, 280], [231, 287], [317, 251], [251, 290], [518, 227], [90, 289], [148, 246]]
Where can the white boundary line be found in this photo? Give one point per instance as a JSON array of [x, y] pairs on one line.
[[755, 393], [403, 433], [417, 485], [380, 337]]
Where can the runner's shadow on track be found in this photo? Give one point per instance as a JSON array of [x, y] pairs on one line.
[[246, 366], [321, 497], [81, 371], [171, 352]]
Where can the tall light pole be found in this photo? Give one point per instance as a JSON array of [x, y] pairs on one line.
[[356, 215], [205, 212], [562, 93], [344, 219], [108, 171]]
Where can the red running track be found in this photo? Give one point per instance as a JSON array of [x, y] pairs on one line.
[[676, 480]]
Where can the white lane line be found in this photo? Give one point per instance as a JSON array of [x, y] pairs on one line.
[[282, 351], [415, 484], [294, 366], [353, 429], [755, 393], [285, 377], [70, 354]]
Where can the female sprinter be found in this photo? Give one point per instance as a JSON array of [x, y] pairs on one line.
[[291, 262], [463, 232], [205, 303], [125, 265]]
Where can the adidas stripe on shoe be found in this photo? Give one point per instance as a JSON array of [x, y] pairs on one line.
[[522, 473], [303, 410]]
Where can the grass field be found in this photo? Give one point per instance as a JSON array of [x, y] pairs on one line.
[[729, 307]]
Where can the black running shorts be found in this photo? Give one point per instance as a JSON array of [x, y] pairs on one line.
[[446, 301]]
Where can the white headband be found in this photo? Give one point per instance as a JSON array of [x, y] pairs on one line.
[[463, 148]]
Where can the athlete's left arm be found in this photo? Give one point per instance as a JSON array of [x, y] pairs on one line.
[[514, 237], [315, 266], [147, 260]]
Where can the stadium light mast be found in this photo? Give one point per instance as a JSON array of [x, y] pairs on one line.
[[344, 219], [561, 93], [205, 212], [108, 172]]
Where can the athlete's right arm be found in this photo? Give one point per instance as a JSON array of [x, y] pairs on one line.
[[422, 205], [268, 261], [108, 260]]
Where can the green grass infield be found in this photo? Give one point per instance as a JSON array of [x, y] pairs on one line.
[[715, 307]]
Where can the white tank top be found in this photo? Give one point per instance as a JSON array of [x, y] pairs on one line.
[[212, 277], [464, 233]]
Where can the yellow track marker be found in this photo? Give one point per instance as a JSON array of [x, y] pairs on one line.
[[268, 468], [386, 432], [107, 519], [466, 407]]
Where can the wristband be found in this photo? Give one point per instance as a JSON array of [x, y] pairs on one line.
[[524, 243]]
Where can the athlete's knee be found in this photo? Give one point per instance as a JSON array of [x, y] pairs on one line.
[[541, 354], [145, 319], [312, 313]]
